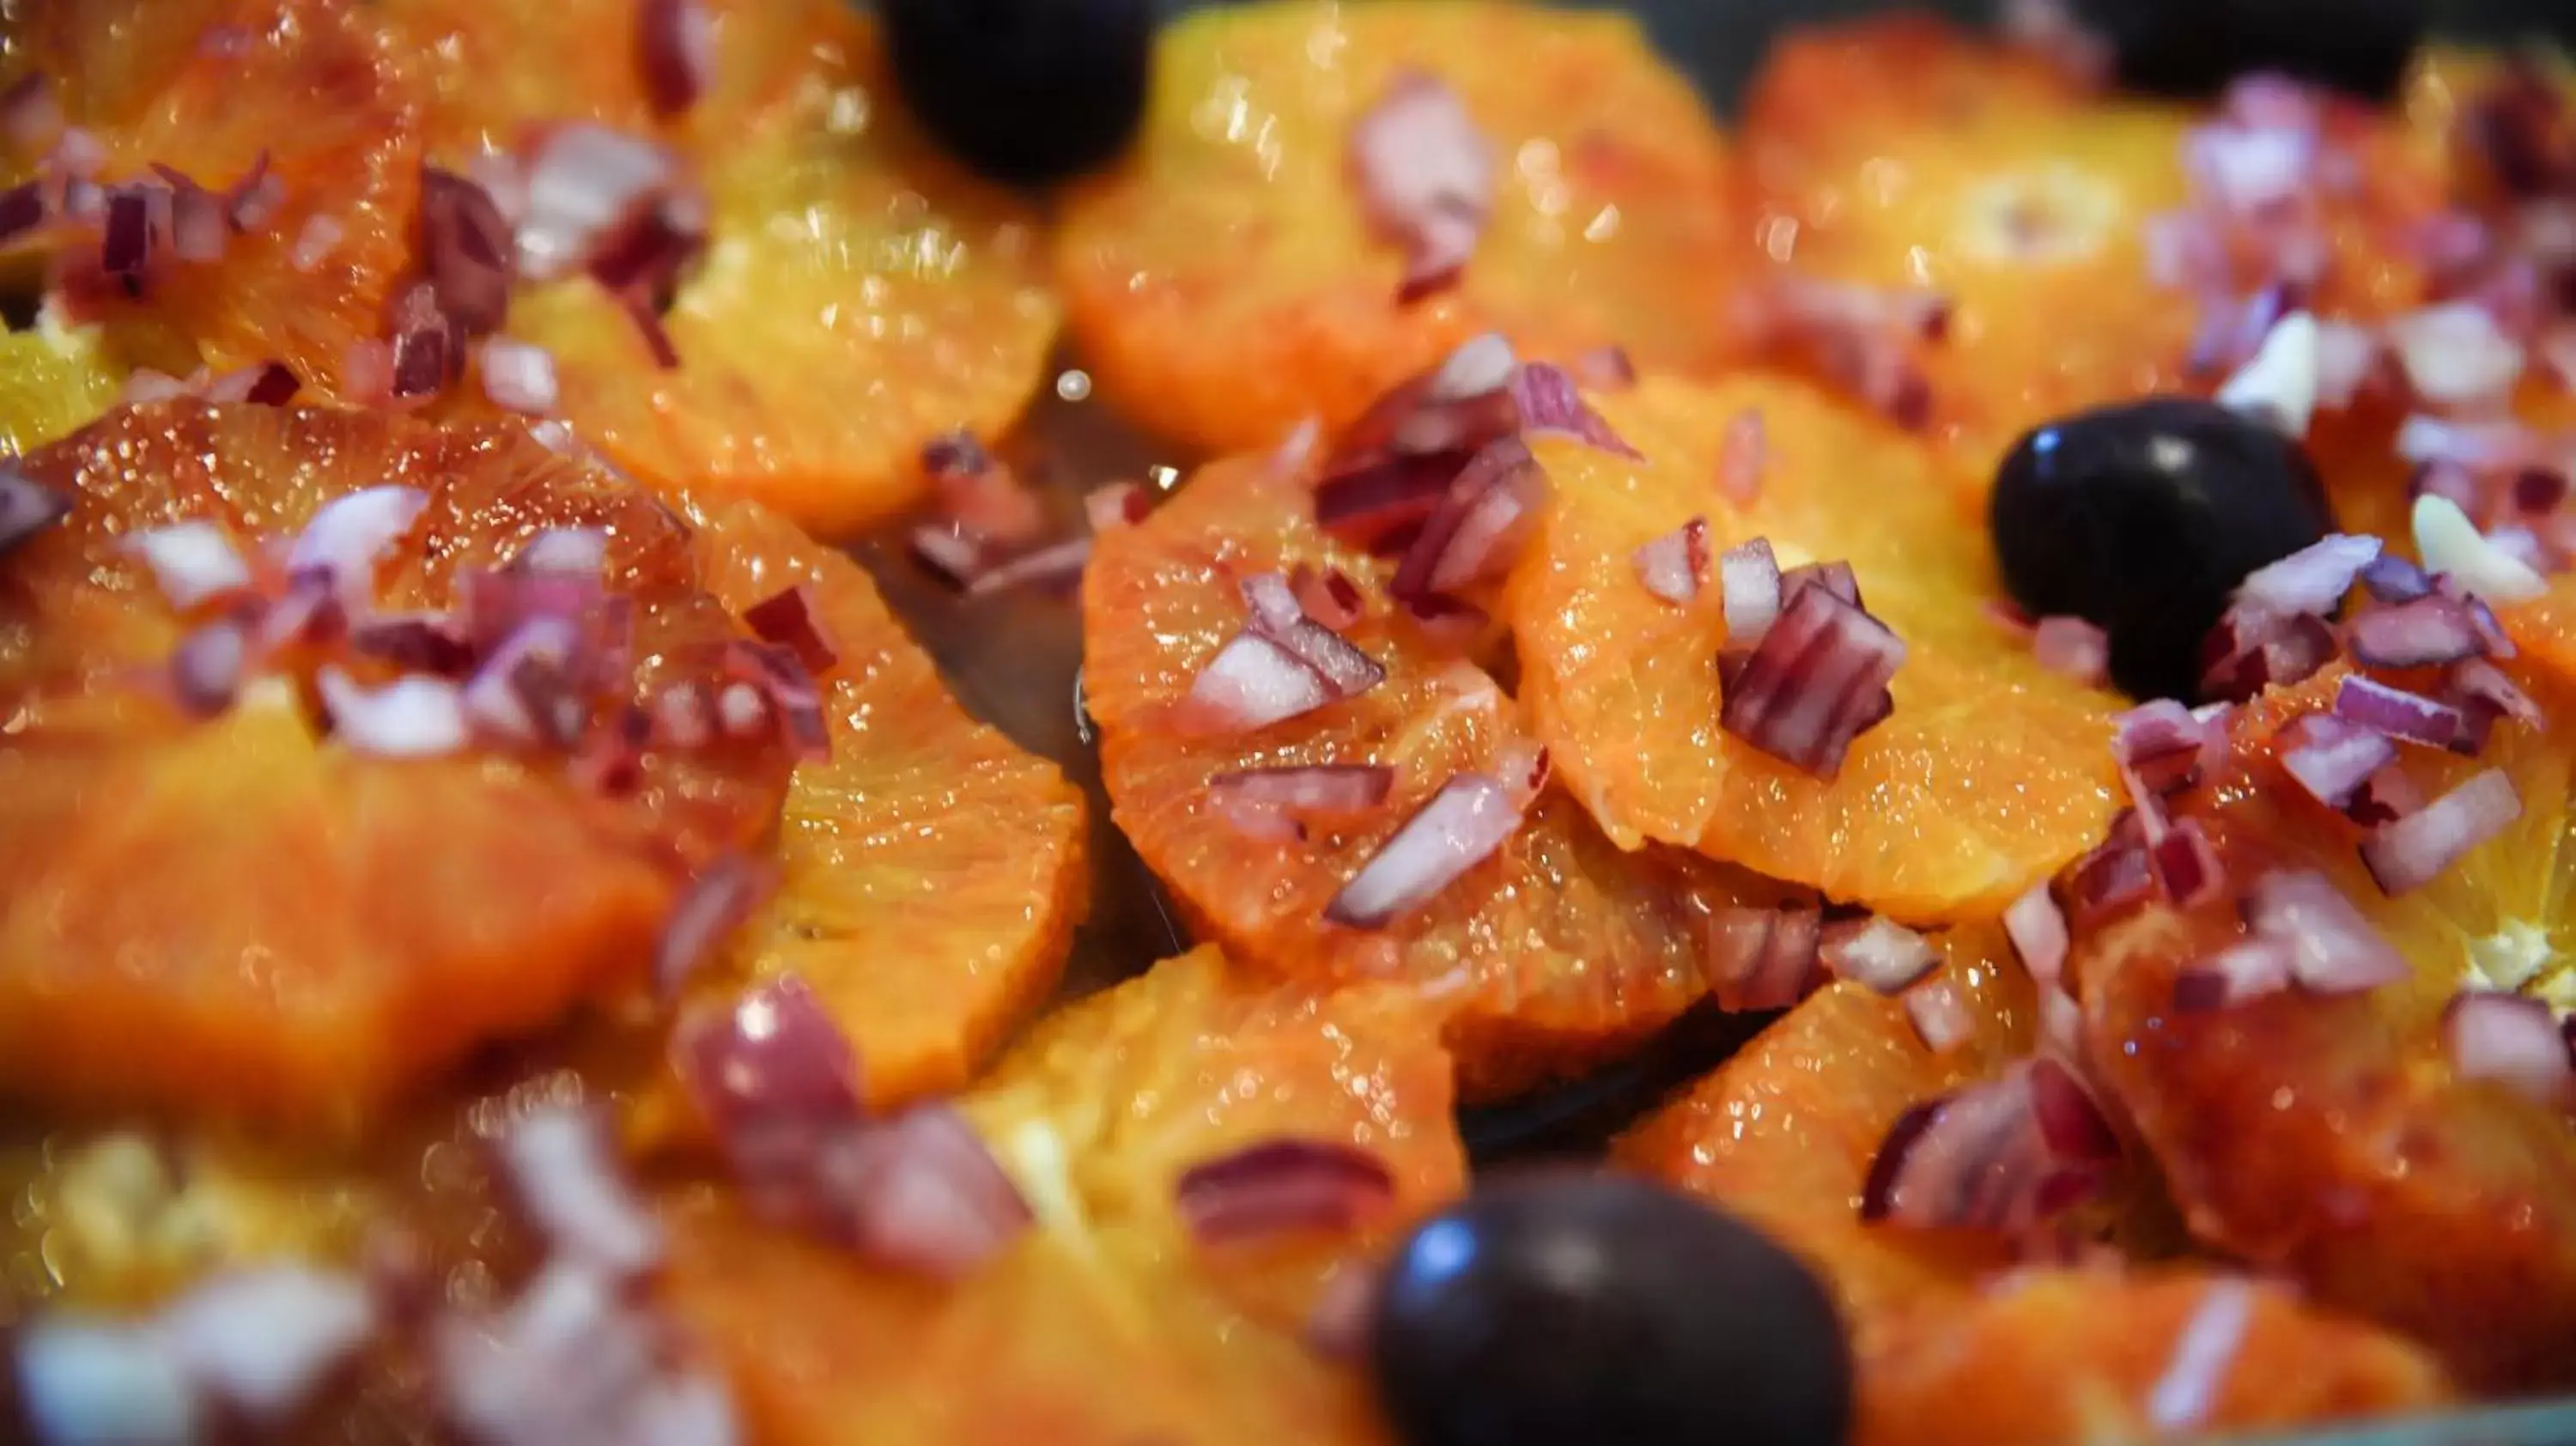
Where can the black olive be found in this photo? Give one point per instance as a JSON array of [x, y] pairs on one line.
[[1560, 1307], [1024, 91], [2194, 48], [2141, 518]]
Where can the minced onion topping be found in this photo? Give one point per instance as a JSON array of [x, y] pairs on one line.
[[1877, 952], [1282, 665], [2004, 1155], [1426, 177], [2410, 852], [1761, 959], [1862, 339], [560, 1163], [2512, 1040], [1674, 567], [1282, 1186], [1816, 679], [2072, 647], [1279, 802], [1460, 826], [674, 52]]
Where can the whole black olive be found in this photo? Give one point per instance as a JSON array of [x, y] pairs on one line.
[[1604, 1310], [1024, 91], [2194, 48], [2141, 518]]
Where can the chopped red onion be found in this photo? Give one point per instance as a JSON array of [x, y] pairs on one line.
[[2184, 1399], [2165, 746], [1381, 505], [774, 1056], [1120, 504], [1749, 583], [2253, 651], [2414, 850], [207, 668], [585, 184], [89, 1383], [561, 1165], [572, 1360], [2072, 647], [1277, 801], [1743, 457], [428, 348], [191, 562], [1482, 365], [1471, 816], [1940, 1017], [720, 900], [1480, 525], [2396, 713], [1282, 1186], [1550, 405], [2347, 355], [1344, 1315], [2241, 972], [2483, 694], [2431, 629], [1975, 1160], [199, 227], [2385, 796], [1604, 369], [348, 534], [1344, 670], [1426, 176], [2392, 579], [2248, 170], [1761, 959], [919, 1193], [1252, 683], [2477, 446], [263, 1341], [790, 619], [26, 508], [2333, 948], [1329, 596], [948, 551], [1675, 566], [2280, 384], [2450, 543], [2331, 758], [1878, 952], [2455, 354], [1058, 565], [255, 199], [519, 377], [2037, 929], [411, 717], [787, 691], [675, 52], [2185, 865], [569, 552], [1835, 577], [2512, 1040], [2312, 580], [1817, 680]]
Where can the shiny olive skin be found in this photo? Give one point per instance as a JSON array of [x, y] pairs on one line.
[[2141, 518], [1574, 1309], [2193, 48], [1027, 92]]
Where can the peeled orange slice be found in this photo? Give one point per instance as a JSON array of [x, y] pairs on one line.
[[1224, 283], [1950, 1348], [1902, 154], [930, 872], [1553, 949], [1107, 1322], [222, 91], [306, 930], [1992, 771], [2331, 1136], [51, 381], [858, 296]]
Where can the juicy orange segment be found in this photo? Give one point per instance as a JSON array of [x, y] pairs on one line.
[[52, 381], [1902, 153], [1784, 1134], [2327, 1136], [208, 87], [1223, 284], [302, 931], [1555, 949], [1106, 1324], [859, 295], [1992, 771], [931, 873]]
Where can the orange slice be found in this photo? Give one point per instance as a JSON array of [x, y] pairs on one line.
[[2328, 1137], [931, 873], [1991, 773], [859, 295], [1784, 1135], [1107, 1323], [1902, 153], [52, 381], [305, 931], [1556, 949], [209, 87], [1223, 283]]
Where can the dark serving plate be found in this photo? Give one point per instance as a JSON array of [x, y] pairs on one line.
[[1015, 660]]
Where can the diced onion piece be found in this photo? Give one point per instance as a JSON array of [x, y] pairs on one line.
[[1281, 1187], [585, 183], [26, 508], [572, 1359], [1056, 565], [1749, 583], [791, 620], [466, 251], [1759, 959], [2450, 543], [1274, 802], [2164, 746], [2393, 579], [2280, 384], [1675, 566], [2455, 354], [774, 1057], [2413, 851], [2396, 712], [2483, 694], [721, 899], [411, 717], [2431, 629], [1252, 683], [1817, 680], [2246, 970], [1327, 596], [2512, 1040], [2347, 355], [1480, 526], [262, 1341], [674, 52], [1604, 369], [2333, 948], [2386, 795], [2037, 929], [2073, 648], [2331, 758], [561, 1165], [1381, 505], [2313, 579], [348, 534], [519, 376], [2185, 1398], [2260, 649], [207, 668], [1120, 504], [1482, 365], [1426, 176], [1550, 404], [84, 1383], [1940, 1017], [1877, 952], [1471, 816], [191, 562], [1977, 1159]]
